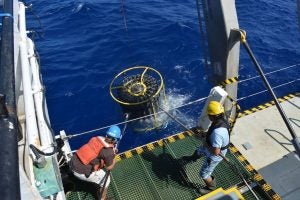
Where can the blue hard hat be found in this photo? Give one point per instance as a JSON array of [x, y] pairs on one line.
[[114, 131]]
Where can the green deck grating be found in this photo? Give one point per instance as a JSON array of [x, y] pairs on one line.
[[157, 173]]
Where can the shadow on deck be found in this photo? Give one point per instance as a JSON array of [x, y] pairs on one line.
[[155, 171]]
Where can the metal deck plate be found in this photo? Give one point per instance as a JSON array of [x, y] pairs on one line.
[[155, 171], [272, 150]]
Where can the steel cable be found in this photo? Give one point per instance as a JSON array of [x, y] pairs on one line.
[[193, 102]]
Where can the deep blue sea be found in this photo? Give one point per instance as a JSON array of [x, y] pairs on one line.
[[85, 44]]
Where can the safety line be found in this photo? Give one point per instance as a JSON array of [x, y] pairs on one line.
[[254, 77], [132, 120], [236, 79], [234, 151], [115, 185], [266, 105], [270, 90], [145, 168], [267, 90], [187, 104], [231, 165], [182, 172], [151, 146], [182, 135], [159, 112], [257, 177]]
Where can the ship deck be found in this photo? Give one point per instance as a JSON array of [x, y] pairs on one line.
[[155, 171], [263, 138]]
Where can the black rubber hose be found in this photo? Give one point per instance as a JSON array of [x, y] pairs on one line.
[[36, 151]]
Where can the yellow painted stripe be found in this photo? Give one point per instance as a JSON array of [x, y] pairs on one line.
[[268, 104], [181, 136], [160, 142], [150, 146], [139, 150], [241, 158], [254, 110], [189, 133], [229, 81], [233, 149], [233, 121], [248, 112], [171, 139], [118, 158], [262, 107], [249, 168], [276, 197], [241, 115], [266, 187], [258, 177], [211, 194], [234, 79], [128, 154], [280, 100]]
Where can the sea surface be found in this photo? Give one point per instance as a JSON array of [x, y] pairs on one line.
[[83, 44]]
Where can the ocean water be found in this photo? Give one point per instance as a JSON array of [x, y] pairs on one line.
[[86, 43]]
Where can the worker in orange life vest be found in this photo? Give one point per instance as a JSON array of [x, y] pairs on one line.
[[88, 162]]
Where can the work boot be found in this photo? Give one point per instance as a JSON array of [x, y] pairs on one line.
[[209, 187], [191, 158]]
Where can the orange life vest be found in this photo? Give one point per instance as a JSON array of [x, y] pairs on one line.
[[91, 150]]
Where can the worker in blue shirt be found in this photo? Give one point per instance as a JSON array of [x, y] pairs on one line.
[[216, 142]]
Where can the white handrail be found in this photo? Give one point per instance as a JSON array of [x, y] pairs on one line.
[[37, 130], [32, 135], [38, 94]]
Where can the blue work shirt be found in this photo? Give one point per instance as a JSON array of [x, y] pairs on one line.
[[219, 138]]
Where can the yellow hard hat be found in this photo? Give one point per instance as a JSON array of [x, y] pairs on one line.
[[214, 108]]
